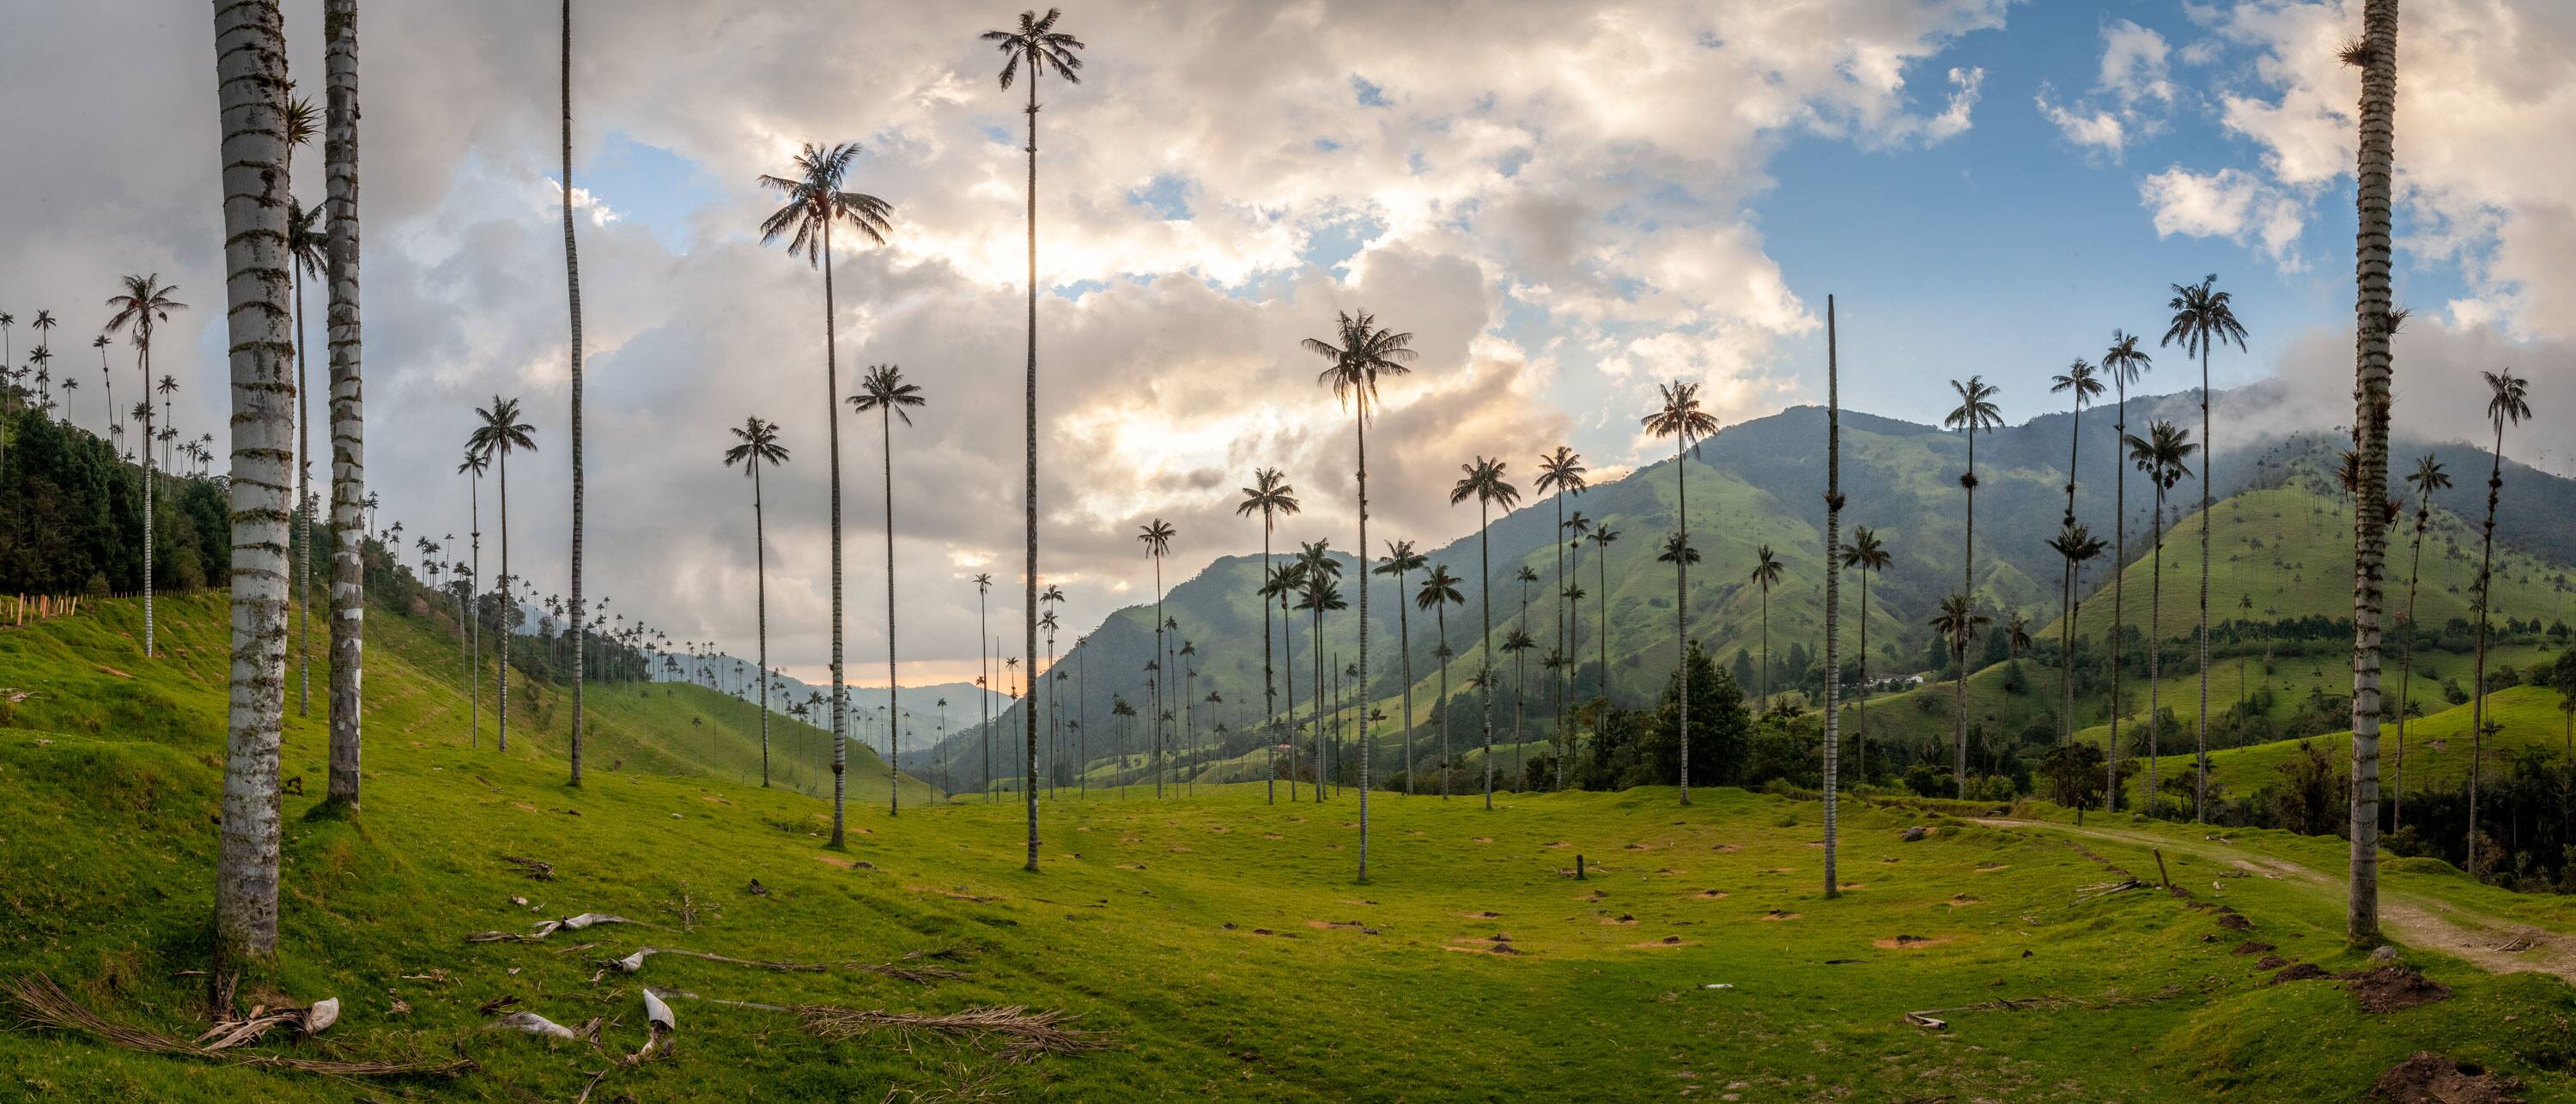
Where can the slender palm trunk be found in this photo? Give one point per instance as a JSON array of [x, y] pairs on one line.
[[509, 604], [1485, 651], [1441, 613], [303, 518], [1601, 560], [1269, 684], [1029, 604], [1563, 671], [1315, 659], [2119, 586], [1968, 595], [1833, 598], [984, 689], [1860, 705], [348, 393], [572, 293], [2478, 666], [2406, 669], [474, 612], [1160, 673], [2208, 521], [894, 710], [760, 572], [832, 428], [2155, 620], [250, 52], [1360, 682], [2066, 656], [2370, 536], [1766, 646], [1681, 607], [1404, 648], [151, 540]]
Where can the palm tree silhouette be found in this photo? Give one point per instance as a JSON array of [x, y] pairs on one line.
[[469, 601], [2164, 456], [983, 675], [2427, 478], [1321, 594], [2085, 382], [1401, 560], [1767, 570], [1045, 49], [2508, 403], [107, 379], [1439, 592], [1273, 498], [2124, 362], [815, 202], [2075, 544], [756, 446], [1157, 537], [1053, 596], [1560, 473], [2204, 317], [1865, 554], [574, 361], [1517, 644], [1976, 411], [1279, 584], [500, 434], [1681, 419], [1603, 536], [1485, 482], [1956, 621], [2375, 322], [305, 243], [140, 309], [884, 391]]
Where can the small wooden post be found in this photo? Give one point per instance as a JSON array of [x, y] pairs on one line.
[[1578, 868], [2161, 877]]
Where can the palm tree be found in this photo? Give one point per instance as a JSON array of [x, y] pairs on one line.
[[1045, 49], [885, 392], [2085, 382], [143, 306], [1051, 597], [1833, 603], [2164, 457], [755, 446], [250, 52], [815, 202], [1278, 584], [2075, 544], [500, 434], [470, 603], [2375, 54], [1767, 570], [1517, 644], [1366, 351], [1273, 498], [572, 297], [2508, 403], [2427, 478], [1976, 411], [1400, 560], [1864, 554], [2204, 317], [983, 675], [1485, 481], [1439, 592], [1680, 418], [107, 379], [1956, 621], [2124, 362], [1157, 538], [1321, 594], [1561, 473], [305, 247], [1602, 538]]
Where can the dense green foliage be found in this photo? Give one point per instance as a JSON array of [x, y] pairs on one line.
[[71, 516]]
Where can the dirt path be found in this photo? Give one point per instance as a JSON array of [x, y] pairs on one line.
[[2417, 921]]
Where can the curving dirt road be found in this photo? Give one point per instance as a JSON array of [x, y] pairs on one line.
[[2417, 921]]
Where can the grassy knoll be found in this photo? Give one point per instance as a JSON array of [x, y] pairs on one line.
[[1218, 944]]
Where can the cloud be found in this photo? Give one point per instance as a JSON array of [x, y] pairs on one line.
[[2100, 129], [2135, 74], [2230, 203]]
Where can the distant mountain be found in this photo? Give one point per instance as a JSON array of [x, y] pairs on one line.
[[728, 674], [1759, 483]]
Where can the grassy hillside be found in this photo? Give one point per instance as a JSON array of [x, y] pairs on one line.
[[1216, 945], [2437, 746]]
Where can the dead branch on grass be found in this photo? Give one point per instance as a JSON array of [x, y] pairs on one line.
[[43, 1004]]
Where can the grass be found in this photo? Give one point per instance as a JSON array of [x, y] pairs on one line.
[[1218, 945]]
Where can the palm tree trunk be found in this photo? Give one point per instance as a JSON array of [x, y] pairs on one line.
[[1833, 597], [1766, 646], [572, 293], [760, 572], [894, 710], [303, 517], [509, 604], [250, 53], [1315, 659], [2200, 724], [1029, 604], [474, 613], [1159, 673], [348, 412], [1441, 613], [1860, 705], [2478, 667], [1681, 606], [1563, 672], [2377, 156], [1360, 683], [1601, 560], [1269, 685], [2155, 622], [2119, 587], [1485, 651], [151, 542], [1968, 596], [1404, 649], [984, 690], [832, 427], [2406, 671]]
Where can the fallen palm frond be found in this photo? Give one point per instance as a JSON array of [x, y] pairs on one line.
[[2106, 889], [534, 868], [2524, 941], [229, 1033], [659, 1024], [917, 974], [2046, 1002], [41, 1003], [1020, 1033], [545, 928]]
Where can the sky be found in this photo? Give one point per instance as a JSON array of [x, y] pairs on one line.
[[1566, 204]]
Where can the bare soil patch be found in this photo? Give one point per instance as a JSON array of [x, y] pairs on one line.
[[2429, 1078], [1911, 942], [2389, 988], [1712, 895], [1780, 914], [1665, 944], [2298, 971]]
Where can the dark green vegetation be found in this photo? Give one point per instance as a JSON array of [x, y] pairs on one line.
[[111, 764]]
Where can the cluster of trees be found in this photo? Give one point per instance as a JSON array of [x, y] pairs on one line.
[[74, 515]]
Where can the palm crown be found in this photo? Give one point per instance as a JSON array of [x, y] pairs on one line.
[[1865, 551], [815, 201], [2203, 318], [1400, 559], [1157, 536], [1976, 410], [1561, 470], [2124, 361], [2507, 398], [2081, 378], [1767, 567], [1484, 481], [1680, 417], [145, 303], [501, 432], [1038, 43], [1270, 494], [884, 389], [1366, 352], [2164, 454], [1439, 588], [756, 444]]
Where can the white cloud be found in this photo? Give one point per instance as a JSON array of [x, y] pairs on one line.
[[2100, 129], [2230, 203], [2134, 77], [2133, 63]]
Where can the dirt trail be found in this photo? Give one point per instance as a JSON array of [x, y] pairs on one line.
[[2417, 921]]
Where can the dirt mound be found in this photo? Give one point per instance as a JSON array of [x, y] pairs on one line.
[[2389, 988], [1961, 900], [2429, 1078], [1777, 914], [1615, 921], [1711, 895], [2251, 947], [1909, 942], [2234, 922], [2270, 962], [1666, 943], [2298, 971]]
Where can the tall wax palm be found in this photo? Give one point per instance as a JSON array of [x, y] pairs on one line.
[[139, 310], [1439, 592], [2375, 54], [1401, 560], [2203, 317], [306, 253], [107, 380], [756, 446], [1317, 568], [1517, 644], [1680, 418], [470, 603], [1157, 538], [1044, 49], [1865, 553], [1833, 603], [885, 392], [1271, 496], [1976, 411], [2085, 383], [2508, 403], [1486, 481], [2124, 362], [250, 69], [1603, 536], [1278, 584], [1525, 576], [1574, 530], [2075, 544], [500, 434], [169, 387], [2427, 478], [815, 203], [984, 674], [1365, 351], [1051, 597], [2164, 457], [1767, 570], [572, 298], [1956, 621], [1560, 473]]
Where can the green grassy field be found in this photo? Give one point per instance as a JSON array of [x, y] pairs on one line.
[[1217, 946]]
